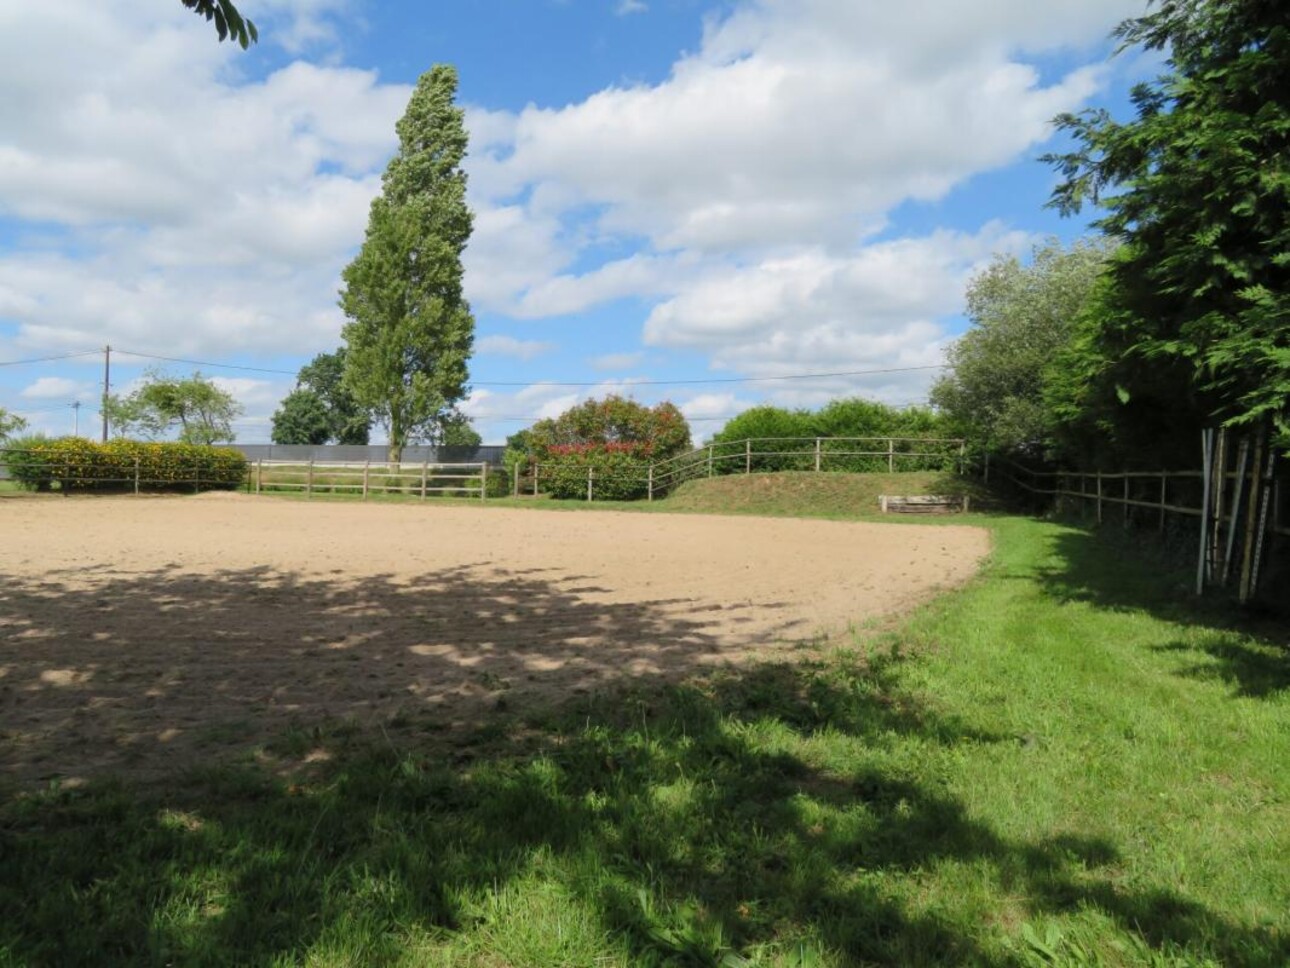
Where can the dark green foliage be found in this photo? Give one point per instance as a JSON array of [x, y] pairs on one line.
[[768, 438], [456, 431], [193, 406], [616, 475], [302, 419], [77, 464], [1022, 316], [347, 422], [410, 329], [1197, 185], [229, 23], [21, 457], [615, 438]]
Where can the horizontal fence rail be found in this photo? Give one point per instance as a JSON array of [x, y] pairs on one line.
[[1096, 487], [366, 478], [747, 456], [1236, 501]]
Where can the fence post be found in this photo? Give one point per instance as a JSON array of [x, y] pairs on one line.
[[986, 480], [1126, 500], [425, 473], [817, 455], [709, 460], [536, 468], [962, 458], [651, 482], [748, 456], [483, 481], [591, 476], [1164, 487], [891, 455], [259, 474], [1099, 497], [136, 473], [367, 469], [309, 480]]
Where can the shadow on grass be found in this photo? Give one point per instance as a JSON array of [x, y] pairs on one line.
[[1114, 570], [690, 825]]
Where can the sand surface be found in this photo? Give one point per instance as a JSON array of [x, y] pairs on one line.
[[142, 634]]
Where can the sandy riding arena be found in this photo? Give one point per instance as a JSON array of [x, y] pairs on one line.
[[142, 634]]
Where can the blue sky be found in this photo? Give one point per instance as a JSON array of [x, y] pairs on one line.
[[665, 190]]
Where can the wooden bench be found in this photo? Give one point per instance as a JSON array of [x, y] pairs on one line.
[[924, 504]]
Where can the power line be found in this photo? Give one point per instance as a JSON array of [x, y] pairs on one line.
[[223, 366], [49, 359], [577, 384]]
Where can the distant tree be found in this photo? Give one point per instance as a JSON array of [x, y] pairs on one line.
[[457, 431], [10, 423], [1022, 316], [410, 329], [1197, 186], [301, 419], [767, 421], [324, 375], [200, 411], [229, 24]]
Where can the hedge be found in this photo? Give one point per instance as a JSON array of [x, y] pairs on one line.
[[618, 475], [77, 464]]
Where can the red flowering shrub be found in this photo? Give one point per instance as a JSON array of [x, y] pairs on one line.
[[615, 438]]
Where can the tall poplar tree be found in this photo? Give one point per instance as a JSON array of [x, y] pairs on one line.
[[410, 329]]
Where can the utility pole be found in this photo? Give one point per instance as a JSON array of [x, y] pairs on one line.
[[76, 420], [107, 387]]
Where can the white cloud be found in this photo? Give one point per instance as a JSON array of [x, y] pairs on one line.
[[510, 346], [808, 120], [200, 212], [616, 361], [55, 388], [203, 214], [627, 7]]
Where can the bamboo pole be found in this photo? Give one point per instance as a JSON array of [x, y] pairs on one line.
[[1251, 522], [1207, 453]]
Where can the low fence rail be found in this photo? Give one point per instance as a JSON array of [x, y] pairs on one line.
[[747, 456], [1238, 502], [366, 478]]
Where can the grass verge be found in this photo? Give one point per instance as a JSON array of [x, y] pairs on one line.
[[1058, 765]]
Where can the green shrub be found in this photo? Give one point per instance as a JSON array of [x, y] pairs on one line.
[[618, 475], [77, 464], [25, 465], [498, 482]]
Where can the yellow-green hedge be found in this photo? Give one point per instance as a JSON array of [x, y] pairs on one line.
[[77, 464]]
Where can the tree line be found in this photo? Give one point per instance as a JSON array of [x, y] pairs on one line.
[[1117, 350]]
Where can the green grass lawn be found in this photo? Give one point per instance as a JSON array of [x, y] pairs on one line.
[[1064, 763]]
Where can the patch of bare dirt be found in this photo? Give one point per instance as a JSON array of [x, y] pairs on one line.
[[141, 635]]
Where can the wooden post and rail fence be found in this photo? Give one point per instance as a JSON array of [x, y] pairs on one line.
[[1236, 499], [754, 454]]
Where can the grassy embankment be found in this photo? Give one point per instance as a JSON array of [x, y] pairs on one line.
[[1062, 764]]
